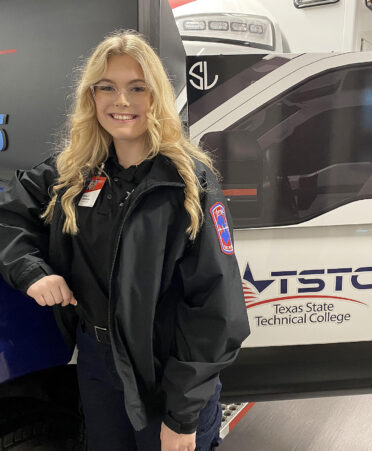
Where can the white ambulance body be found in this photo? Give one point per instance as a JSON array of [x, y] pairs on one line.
[[303, 214], [324, 25]]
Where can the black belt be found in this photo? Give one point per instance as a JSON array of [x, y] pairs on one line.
[[101, 334]]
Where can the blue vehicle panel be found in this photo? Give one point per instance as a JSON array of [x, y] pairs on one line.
[[29, 337]]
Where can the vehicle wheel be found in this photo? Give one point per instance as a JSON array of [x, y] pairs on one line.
[[44, 430]]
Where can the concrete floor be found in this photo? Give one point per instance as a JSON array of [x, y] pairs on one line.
[[341, 423]]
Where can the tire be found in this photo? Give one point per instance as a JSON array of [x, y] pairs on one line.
[[43, 430]]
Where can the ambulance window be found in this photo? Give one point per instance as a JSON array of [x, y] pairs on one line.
[[315, 145]]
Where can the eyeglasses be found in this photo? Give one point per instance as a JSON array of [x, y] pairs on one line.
[[104, 92]]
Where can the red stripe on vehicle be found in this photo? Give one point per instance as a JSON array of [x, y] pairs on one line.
[[174, 3], [7, 51], [240, 415], [240, 192]]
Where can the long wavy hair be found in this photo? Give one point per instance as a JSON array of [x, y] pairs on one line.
[[86, 143]]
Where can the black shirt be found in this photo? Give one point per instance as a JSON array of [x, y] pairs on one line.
[[93, 246]]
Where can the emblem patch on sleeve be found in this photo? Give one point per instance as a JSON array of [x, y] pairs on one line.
[[222, 228]]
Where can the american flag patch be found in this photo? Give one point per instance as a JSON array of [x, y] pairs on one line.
[[222, 228]]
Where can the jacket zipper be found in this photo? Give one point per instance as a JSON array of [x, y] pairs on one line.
[[129, 211]]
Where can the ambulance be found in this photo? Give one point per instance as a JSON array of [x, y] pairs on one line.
[[291, 136], [290, 133]]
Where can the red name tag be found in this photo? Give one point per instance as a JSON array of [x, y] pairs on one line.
[[90, 195]]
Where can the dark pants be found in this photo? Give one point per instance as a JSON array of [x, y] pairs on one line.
[[107, 425]]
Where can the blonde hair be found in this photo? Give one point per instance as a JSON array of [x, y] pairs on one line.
[[86, 145]]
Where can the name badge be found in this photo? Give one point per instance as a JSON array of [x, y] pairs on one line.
[[90, 195]]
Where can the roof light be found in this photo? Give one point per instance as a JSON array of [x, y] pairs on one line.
[[218, 25], [256, 28], [307, 3], [239, 26], [191, 25], [238, 29]]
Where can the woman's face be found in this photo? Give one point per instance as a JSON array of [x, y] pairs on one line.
[[123, 99]]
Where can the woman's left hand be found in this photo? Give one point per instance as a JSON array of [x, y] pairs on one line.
[[171, 441]]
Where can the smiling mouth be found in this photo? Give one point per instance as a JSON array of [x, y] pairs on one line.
[[123, 117]]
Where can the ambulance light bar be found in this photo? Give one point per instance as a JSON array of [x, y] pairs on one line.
[[191, 25], [218, 25], [239, 29], [307, 3]]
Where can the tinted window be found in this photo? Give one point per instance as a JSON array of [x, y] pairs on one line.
[[315, 146]]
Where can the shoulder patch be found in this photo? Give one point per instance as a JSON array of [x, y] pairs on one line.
[[218, 214]]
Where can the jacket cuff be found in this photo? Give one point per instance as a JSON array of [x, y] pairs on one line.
[[180, 427], [32, 275]]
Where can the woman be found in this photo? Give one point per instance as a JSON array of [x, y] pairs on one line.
[[125, 233]]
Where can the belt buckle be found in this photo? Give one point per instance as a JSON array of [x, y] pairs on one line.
[[97, 331]]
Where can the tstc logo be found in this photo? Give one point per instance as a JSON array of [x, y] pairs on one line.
[[3, 135], [202, 80], [301, 283]]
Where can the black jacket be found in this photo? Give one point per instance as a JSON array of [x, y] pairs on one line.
[[177, 315]]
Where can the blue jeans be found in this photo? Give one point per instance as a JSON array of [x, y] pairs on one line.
[[107, 424]]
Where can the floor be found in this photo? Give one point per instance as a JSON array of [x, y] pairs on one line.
[[341, 423], [323, 424]]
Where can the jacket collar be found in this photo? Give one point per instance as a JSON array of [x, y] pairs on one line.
[[162, 170]]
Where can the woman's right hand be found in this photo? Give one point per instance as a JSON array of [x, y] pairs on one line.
[[51, 290]]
